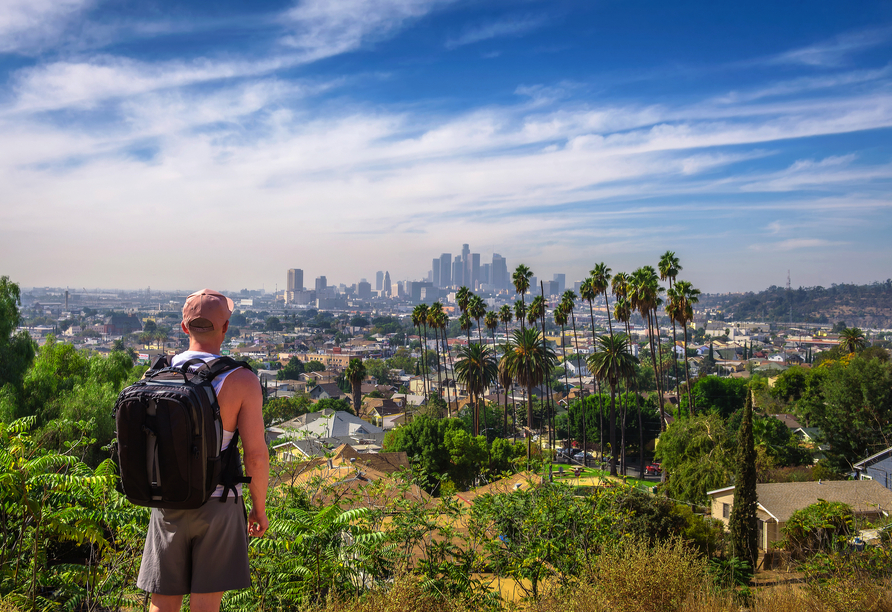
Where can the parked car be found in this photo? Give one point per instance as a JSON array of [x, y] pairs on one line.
[[652, 469]]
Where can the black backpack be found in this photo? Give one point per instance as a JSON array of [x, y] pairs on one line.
[[169, 435]]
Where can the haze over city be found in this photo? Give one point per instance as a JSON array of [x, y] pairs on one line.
[[186, 144]]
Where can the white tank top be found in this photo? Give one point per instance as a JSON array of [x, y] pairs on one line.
[[217, 384]]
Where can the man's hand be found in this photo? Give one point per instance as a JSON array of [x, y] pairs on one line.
[[257, 523]]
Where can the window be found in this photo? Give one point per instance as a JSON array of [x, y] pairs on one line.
[[726, 511]]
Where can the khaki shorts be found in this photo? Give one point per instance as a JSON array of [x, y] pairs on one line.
[[196, 551]]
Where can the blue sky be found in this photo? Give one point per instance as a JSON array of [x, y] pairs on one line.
[[186, 144]]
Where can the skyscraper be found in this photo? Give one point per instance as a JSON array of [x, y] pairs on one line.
[[379, 280], [561, 280], [321, 284], [364, 290], [458, 274], [499, 272], [446, 269], [435, 272], [387, 289], [295, 280], [475, 270]]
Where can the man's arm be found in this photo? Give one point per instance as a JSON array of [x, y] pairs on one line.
[[252, 433]]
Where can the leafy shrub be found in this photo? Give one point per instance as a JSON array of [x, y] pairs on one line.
[[822, 526]]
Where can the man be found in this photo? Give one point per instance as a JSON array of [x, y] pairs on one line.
[[204, 551]]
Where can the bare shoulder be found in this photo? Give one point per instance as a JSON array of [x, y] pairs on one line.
[[244, 381]]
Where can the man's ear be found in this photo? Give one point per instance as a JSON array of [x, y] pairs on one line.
[[226, 326], [184, 328]]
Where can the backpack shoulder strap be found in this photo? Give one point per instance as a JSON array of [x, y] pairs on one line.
[[231, 470], [218, 366]]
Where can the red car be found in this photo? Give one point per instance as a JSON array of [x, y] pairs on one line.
[[653, 469]]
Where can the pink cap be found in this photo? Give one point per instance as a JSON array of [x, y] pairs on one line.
[[206, 310]]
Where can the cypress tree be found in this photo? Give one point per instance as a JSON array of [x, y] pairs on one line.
[[743, 526]]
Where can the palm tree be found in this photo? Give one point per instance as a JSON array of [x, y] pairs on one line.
[[852, 339], [491, 320], [477, 369], [433, 319], [477, 309], [355, 373], [560, 318], [612, 362], [506, 381], [600, 281], [520, 312], [462, 297], [527, 360], [443, 324], [521, 280], [568, 303], [622, 310], [669, 269], [505, 316], [536, 310], [644, 297], [680, 308], [419, 314]]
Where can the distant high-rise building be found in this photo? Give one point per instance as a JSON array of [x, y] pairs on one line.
[[561, 280], [295, 280], [475, 270], [364, 290], [321, 285], [551, 288], [499, 272], [435, 272], [388, 290], [458, 272], [379, 280], [446, 270], [534, 285], [466, 277], [486, 274], [294, 283]]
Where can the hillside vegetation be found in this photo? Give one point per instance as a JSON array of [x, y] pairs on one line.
[[858, 305]]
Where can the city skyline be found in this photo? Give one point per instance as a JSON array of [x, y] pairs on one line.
[[348, 137]]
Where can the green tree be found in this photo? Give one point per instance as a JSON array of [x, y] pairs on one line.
[[477, 369], [521, 281], [669, 268], [680, 309], [292, 370], [528, 359], [355, 374], [16, 349], [852, 406], [335, 405], [273, 324], [612, 362], [314, 365], [852, 340], [423, 439], [742, 524], [697, 452]]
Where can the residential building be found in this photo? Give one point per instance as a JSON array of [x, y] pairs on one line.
[[778, 501], [877, 467]]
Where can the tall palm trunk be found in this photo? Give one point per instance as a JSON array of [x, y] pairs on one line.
[[579, 369], [687, 373], [425, 371], [437, 340], [454, 390], [674, 357], [549, 403], [613, 450], [566, 388], [657, 377]]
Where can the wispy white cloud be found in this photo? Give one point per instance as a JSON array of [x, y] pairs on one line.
[[807, 84], [323, 28], [835, 51], [795, 244], [26, 25], [506, 26]]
